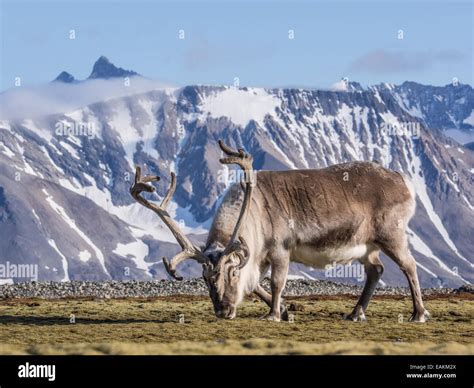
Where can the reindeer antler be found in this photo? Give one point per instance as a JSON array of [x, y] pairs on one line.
[[244, 160], [189, 251]]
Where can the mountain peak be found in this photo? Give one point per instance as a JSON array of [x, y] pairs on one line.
[[65, 77], [103, 59], [104, 69]]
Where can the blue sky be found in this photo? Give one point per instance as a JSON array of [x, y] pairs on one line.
[[249, 40]]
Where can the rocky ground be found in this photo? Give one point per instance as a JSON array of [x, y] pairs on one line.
[[150, 289]]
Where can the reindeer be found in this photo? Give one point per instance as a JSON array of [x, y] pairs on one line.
[[338, 214]]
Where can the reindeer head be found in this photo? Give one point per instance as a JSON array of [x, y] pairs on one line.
[[221, 267], [222, 274]]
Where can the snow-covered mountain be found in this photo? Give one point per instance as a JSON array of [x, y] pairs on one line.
[[448, 108], [64, 178]]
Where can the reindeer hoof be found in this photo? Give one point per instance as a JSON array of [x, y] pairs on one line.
[[355, 318], [357, 315], [420, 317], [284, 315], [270, 317]]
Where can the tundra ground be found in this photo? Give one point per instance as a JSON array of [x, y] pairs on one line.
[[152, 326]]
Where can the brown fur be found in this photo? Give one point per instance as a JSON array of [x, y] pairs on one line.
[[321, 202]]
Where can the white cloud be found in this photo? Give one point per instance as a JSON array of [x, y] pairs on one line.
[[58, 97]]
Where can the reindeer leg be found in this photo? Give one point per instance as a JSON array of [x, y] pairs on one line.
[[402, 256], [280, 265], [267, 298], [373, 269]]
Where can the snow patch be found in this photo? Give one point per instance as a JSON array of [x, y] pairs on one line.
[[470, 119], [63, 260], [467, 202], [240, 106], [6, 150], [36, 216], [39, 130], [51, 161], [137, 250], [72, 151], [85, 256]]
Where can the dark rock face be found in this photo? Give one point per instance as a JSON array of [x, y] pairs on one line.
[[104, 69], [64, 179], [65, 77], [470, 146]]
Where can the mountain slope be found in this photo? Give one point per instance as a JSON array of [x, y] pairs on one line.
[[448, 108]]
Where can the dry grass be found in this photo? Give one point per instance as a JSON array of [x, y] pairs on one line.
[[152, 327]]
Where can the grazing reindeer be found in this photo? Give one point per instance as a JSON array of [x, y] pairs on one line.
[[316, 217]]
